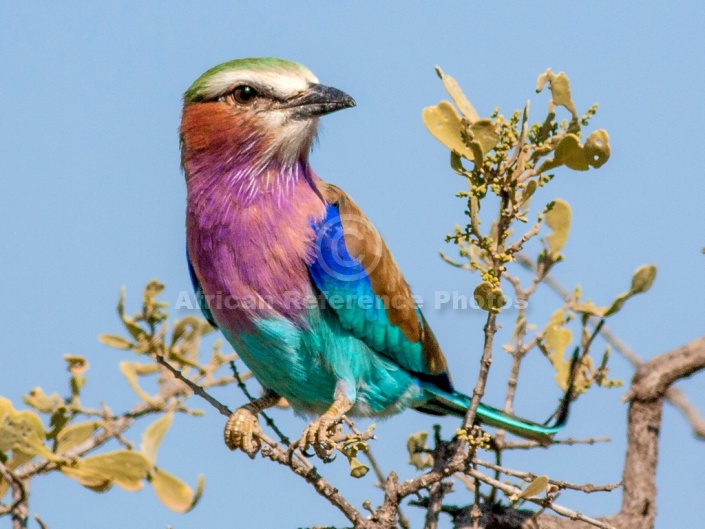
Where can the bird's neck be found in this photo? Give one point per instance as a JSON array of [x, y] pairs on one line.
[[241, 158], [246, 182]]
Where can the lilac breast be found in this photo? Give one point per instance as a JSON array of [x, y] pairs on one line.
[[250, 251]]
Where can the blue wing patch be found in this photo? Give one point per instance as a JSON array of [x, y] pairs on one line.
[[346, 286], [199, 293]]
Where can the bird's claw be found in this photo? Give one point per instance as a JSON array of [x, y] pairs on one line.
[[318, 435], [242, 431]]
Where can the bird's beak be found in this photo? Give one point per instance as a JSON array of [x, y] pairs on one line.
[[317, 101]]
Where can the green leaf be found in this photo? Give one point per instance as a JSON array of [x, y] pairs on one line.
[[536, 487], [124, 468], [75, 434], [443, 122], [174, 493], [456, 94], [153, 436], [557, 218], [488, 297], [57, 421], [118, 342]]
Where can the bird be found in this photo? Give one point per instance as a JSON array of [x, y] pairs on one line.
[[291, 270]]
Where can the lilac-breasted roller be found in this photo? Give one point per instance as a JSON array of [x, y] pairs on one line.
[[290, 269]]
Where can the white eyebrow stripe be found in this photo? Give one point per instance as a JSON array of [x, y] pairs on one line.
[[281, 84]]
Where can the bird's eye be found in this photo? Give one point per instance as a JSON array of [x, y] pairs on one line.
[[244, 95]]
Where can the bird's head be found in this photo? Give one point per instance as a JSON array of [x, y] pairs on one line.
[[256, 111]]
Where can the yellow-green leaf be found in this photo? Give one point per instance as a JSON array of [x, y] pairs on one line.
[[418, 454], [186, 326], [488, 297], [75, 434], [572, 154], [557, 338], [174, 493], [528, 192], [17, 434], [536, 487], [558, 218], [589, 308], [597, 148], [77, 365], [131, 325], [112, 340], [153, 436], [560, 89], [484, 134], [443, 122], [642, 279], [42, 402], [456, 94], [153, 289], [131, 370], [124, 468]]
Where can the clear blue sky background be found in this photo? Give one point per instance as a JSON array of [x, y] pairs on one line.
[[93, 198]]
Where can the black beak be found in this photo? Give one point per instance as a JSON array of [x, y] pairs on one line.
[[317, 101]]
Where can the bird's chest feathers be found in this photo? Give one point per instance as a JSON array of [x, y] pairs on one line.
[[251, 256]]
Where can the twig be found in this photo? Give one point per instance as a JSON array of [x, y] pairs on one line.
[[18, 508], [198, 390], [528, 477], [40, 522], [674, 395], [526, 445], [558, 509], [435, 503], [271, 450], [403, 520]]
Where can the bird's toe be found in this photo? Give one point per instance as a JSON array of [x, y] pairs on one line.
[[241, 432]]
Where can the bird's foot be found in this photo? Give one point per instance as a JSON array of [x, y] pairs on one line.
[[319, 435], [242, 431]]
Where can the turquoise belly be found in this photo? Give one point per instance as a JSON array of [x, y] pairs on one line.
[[306, 365]]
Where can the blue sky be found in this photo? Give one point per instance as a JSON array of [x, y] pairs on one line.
[[93, 199]]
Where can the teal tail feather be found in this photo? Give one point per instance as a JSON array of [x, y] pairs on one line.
[[457, 404], [443, 402]]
